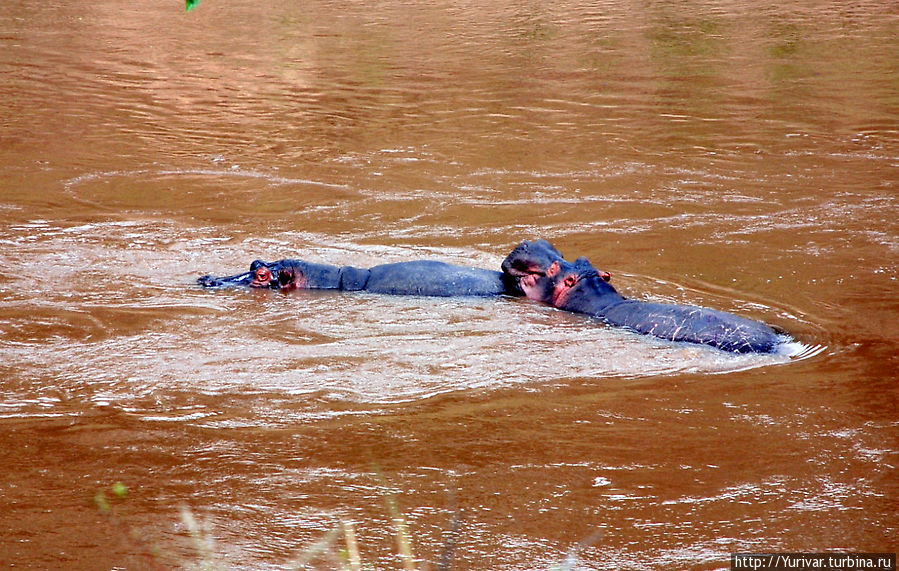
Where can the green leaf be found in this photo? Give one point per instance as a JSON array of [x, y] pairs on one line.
[[191, 4], [120, 490], [101, 502]]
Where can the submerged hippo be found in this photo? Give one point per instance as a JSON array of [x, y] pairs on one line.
[[429, 278], [540, 272]]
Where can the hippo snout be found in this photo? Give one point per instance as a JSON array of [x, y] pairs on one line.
[[208, 281]]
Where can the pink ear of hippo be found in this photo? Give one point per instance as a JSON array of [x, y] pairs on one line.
[[553, 269]]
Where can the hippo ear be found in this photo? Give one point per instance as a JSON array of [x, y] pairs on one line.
[[553, 269]]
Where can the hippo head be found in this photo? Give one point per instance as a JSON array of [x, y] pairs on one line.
[[531, 258], [566, 281], [536, 269], [283, 275], [528, 262], [276, 275]]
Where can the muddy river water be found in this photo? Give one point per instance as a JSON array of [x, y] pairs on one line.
[[738, 155]]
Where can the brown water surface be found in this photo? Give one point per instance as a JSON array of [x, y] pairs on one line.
[[739, 155]]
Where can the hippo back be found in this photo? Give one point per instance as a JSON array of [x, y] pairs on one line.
[[694, 324], [432, 278]]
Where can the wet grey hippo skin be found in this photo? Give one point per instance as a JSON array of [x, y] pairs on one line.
[[428, 278], [537, 270]]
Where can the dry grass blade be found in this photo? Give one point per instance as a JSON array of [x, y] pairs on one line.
[[403, 541], [352, 548], [318, 548], [202, 539]]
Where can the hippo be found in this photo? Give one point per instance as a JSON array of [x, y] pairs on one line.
[[540, 272], [423, 277]]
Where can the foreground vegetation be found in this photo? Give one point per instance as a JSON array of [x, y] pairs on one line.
[[336, 549]]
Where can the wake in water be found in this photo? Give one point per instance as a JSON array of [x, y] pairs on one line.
[[116, 320]]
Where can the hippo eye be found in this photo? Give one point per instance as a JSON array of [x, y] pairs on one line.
[[263, 274], [605, 276]]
